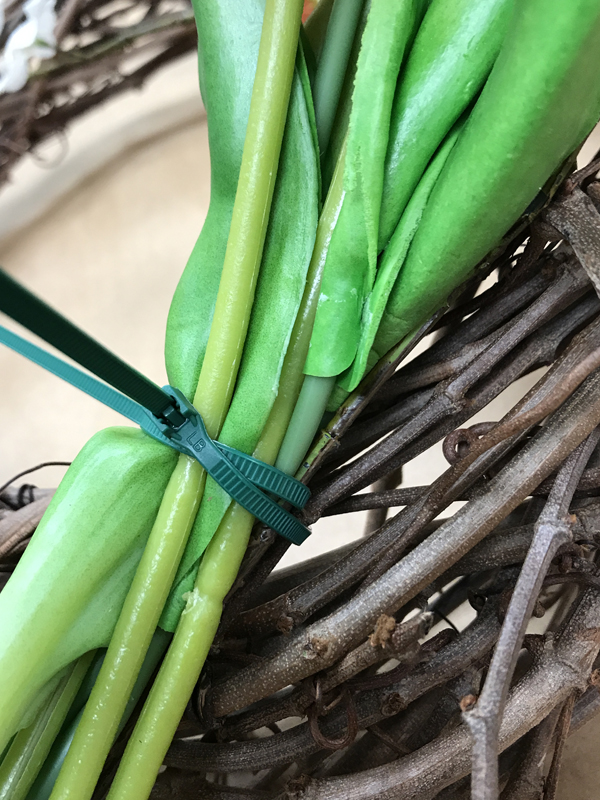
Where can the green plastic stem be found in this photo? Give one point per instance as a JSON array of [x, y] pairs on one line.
[[31, 745], [298, 430], [42, 788], [132, 635], [333, 63], [184, 660], [305, 422]]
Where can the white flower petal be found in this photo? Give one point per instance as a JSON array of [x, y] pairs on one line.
[[13, 71], [33, 38]]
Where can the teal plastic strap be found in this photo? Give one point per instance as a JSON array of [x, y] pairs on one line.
[[267, 477], [28, 310], [240, 475], [192, 439], [81, 380]]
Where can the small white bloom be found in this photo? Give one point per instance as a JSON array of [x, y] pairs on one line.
[[33, 39]]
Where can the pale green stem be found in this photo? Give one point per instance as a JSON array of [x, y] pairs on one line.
[[184, 660], [333, 63], [305, 422], [42, 788], [264, 134], [299, 432], [385, 364], [274, 434], [315, 27], [132, 635], [30, 746], [6, 749]]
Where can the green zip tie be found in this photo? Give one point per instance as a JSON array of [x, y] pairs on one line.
[[28, 310], [239, 474], [181, 427]]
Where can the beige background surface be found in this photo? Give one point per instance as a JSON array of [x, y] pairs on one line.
[[104, 236]]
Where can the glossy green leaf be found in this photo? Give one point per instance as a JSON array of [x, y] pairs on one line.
[[31, 746], [452, 55], [351, 260], [539, 103], [228, 39], [391, 263], [66, 593]]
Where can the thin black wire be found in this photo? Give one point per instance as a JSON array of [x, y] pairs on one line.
[[34, 469], [443, 617]]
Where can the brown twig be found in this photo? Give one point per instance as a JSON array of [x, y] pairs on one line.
[[19, 525], [100, 56], [561, 670], [562, 731], [527, 781], [551, 531], [33, 469], [322, 642], [371, 707]]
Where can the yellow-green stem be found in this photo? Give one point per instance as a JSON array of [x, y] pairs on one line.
[[184, 660], [133, 632], [153, 579], [262, 145], [200, 619], [30, 746], [221, 561], [219, 567]]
